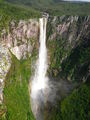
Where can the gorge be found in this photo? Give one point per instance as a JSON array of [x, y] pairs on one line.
[[68, 68]]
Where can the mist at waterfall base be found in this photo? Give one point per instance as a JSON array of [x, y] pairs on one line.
[[40, 80], [43, 89]]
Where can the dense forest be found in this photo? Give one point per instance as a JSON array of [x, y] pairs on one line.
[[55, 7]]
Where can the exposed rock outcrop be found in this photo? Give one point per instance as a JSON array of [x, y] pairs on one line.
[[5, 63], [21, 37], [69, 51], [69, 28]]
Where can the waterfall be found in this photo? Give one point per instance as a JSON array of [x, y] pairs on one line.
[[40, 80], [45, 91]]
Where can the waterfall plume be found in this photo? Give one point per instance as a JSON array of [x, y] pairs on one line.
[[45, 91], [39, 82]]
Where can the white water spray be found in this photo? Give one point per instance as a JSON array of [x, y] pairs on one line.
[[42, 90], [40, 80]]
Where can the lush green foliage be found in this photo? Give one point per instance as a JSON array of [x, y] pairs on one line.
[[76, 106], [76, 66], [72, 64], [65, 8], [57, 53], [10, 12], [55, 7], [77, 63], [17, 12], [31, 2], [16, 93]]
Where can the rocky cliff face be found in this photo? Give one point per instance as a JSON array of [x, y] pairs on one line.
[[5, 63], [20, 39], [69, 47]]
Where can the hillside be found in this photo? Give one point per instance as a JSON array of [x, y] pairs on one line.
[[56, 7], [9, 12], [17, 12]]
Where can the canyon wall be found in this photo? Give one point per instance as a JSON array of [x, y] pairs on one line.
[[68, 43], [19, 39]]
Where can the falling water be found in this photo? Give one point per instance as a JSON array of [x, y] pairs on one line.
[[40, 80], [44, 91]]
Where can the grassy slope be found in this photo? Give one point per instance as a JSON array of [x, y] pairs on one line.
[[56, 8], [74, 107], [16, 92]]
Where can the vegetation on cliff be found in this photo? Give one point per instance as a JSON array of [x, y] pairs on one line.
[[70, 60], [9, 12], [74, 107], [69, 48], [16, 92]]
